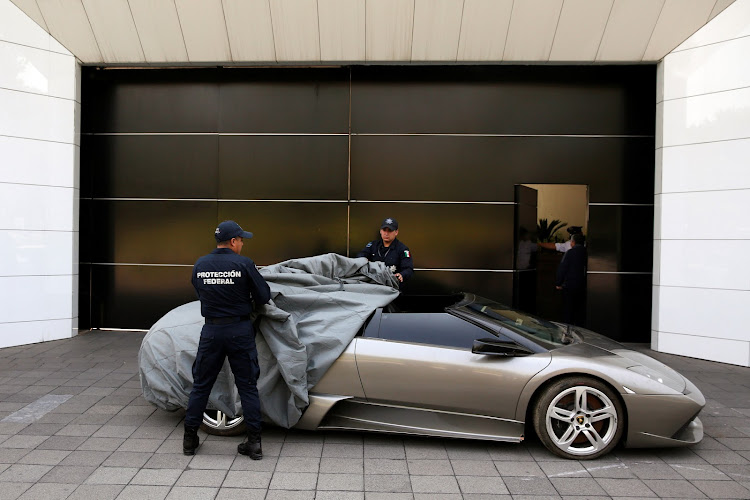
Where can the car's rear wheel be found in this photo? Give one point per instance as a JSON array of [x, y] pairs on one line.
[[219, 423], [579, 418]]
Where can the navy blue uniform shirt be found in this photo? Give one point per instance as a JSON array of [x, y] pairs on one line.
[[571, 273], [397, 256], [227, 284]]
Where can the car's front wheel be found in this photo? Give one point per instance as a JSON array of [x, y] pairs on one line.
[[579, 418], [219, 423]]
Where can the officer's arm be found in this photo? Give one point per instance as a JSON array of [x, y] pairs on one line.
[[258, 286], [194, 281], [365, 252], [406, 266]]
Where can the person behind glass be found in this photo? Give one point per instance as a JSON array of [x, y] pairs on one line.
[[571, 279], [391, 251], [227, 285], [564, 247]]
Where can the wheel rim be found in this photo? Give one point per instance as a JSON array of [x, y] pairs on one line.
[[581, 421], [221, 421]]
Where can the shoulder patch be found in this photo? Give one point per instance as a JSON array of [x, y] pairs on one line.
[[406, 253], [368, 245]]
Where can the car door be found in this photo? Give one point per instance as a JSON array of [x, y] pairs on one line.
[[425, 360]]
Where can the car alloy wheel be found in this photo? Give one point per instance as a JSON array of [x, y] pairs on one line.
[[579, 418], [219, 423]]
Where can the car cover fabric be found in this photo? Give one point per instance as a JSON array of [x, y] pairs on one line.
[[318, 304]]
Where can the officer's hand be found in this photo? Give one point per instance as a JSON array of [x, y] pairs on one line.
[[400, 278], [559, 287]]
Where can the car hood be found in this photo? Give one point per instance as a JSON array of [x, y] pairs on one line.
[[640, 363]]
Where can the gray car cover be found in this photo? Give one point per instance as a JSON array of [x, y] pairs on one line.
[[317, 307]]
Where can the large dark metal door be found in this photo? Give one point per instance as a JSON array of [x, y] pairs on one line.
[[524, 249]]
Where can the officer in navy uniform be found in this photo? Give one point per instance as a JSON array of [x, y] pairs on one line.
[[227, 285], [571, 279], [390, 250]]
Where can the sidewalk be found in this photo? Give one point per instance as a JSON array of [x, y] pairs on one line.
[[102, 441]]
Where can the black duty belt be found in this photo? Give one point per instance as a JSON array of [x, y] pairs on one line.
[[226, 320]]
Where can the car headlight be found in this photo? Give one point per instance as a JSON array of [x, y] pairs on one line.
[[669, 381]]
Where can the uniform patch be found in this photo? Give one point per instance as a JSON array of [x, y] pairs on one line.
[[369, 245], [406, 253]]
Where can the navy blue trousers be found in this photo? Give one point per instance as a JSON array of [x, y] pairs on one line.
[[218, 342]]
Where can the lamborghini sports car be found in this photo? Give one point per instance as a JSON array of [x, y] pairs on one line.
[[462, 366]]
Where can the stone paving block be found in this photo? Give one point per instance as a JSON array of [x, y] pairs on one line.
[[385, 450], [98, 492], [341, 465], [127, 420], [626, 487], [297, 449], [174, 447], [37, 429], [474, 468], [338, 450], [298, 464], [529, 486], [101, 444], [430, 467], [737, 443], [11, 491], [112, 475], [658, 470], [571, 468], [67, 443], [57, 418], [434, 484], [23, 442], [467, 451], [97, 391], [700, 471], [723, 489], [193, 493], [12, 455], [88, 418], [374, 495], [509, 452], [385, 466], [202, 478], [140, 445], [127, 459], [482, 485], [78, 430], [241, 494], [385, 483], [616, 470], [87, 458], [245, 479], [485, 496], [669, 488], [339, 495], [424, 450], [344, 437], [48, 491], [154, 432], [577, 486], [679, 456], [210, 447], [717, 457], [22, 473], [293, 481], [215, 462], [522, 468], [438, 496], [290, 495], [340, 482], [73, 474], [157, 477], [163, 461], [243, 463]]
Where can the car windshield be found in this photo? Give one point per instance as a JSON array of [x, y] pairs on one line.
[[532, 327]]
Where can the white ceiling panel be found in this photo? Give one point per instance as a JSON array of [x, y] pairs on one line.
[[719, 7], [114, 30], [32, 10], [204, 30], [580, 30], [250, 30], [629, 29], [437, 26], [484, 25], [678, 20], [68, 23], [342, 30], [159, 30], [532, 29], [295, 30], [389, 29], [732, 23]]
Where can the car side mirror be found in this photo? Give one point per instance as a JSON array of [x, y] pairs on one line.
[[497, 347]]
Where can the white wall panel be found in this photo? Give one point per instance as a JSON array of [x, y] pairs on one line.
[[204, 30], [708, 215], [29, 161], [726, 351], [342, 30], [712, 117], [580, 30], [159, 30], [705, 313], [295, 29], [709, 166], [29, 69], [250, 30], [629, 29], [389, 29], [19, 28], [532, 29], [732, 23], [705, 264], [484, 25], [678, 20], [114, 30], [37, 208], [36, 298], [38, 253], [68, 23], [36, 116], [437, 25], [32, 332]]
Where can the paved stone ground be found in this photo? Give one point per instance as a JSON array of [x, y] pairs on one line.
[[107, 442]]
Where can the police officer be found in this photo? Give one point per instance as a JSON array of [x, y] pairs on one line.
[[390, 250], [571, 279], [227, 284], [564, 247]]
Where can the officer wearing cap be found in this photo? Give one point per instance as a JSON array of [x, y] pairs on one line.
[[227, 285], [564, 247], [390, 250]]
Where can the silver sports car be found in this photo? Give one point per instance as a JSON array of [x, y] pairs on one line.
[[465, 367]]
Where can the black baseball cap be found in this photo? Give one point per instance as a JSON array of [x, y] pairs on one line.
[[228, 230], [389, 223], [575, 230]]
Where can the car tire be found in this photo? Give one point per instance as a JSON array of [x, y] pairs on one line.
[[218, 423], [579, 418]]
